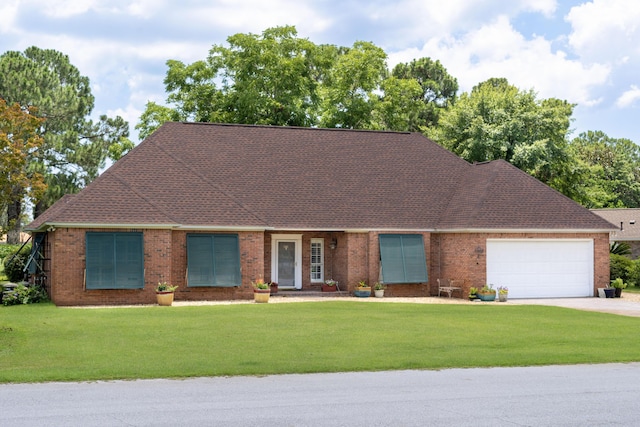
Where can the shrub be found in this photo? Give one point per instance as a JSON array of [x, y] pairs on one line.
[[633, 278], [620, 266], [14, 265], [14, 269], [22, 294], [8, 250]]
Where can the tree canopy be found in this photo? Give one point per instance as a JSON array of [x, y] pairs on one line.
[[498, 121], [75, 147], [613, 169], [19, 145], [278, 78]]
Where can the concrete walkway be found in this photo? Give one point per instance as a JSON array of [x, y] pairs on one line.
[[628, 305]]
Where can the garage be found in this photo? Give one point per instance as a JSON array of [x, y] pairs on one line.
[[541, 268]]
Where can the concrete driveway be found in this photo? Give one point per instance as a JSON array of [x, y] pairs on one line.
[[628, 305]]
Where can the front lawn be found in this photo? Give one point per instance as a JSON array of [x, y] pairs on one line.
[[44, 343]]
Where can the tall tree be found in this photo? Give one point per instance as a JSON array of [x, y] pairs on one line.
[[19, 146], [498, 121], [270, 78], [278, 78], [75, 148], [614, 169], [349, 93], [438, 89]]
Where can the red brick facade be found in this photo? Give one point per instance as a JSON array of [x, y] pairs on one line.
[[356, 257]]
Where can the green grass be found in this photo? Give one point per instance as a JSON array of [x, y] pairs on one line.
[[44, 343], [632, 289]]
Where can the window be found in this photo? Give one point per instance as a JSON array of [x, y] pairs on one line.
[[317, 260], [402, 258], [114, 261], [213, 260]]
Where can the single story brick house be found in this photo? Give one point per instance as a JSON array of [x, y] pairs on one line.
[[213, 207]]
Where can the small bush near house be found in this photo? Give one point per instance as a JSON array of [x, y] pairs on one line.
[[14, 268], [620, 266], [14, 265], [22, 294], [633, 273]]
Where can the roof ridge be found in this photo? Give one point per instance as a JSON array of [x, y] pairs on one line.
[[208, 181], [298, 128]]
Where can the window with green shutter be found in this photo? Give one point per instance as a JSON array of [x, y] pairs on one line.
[[213, 260], [114, 261], [402, 258]]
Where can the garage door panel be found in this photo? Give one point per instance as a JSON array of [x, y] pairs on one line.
[[541, 268]]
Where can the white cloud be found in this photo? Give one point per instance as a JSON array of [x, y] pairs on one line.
[[498, 50], [629, 97], [8, 11], [606, 30]]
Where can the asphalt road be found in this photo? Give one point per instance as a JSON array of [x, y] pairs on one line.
[[576, 395]]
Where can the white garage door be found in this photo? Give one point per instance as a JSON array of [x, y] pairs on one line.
[[541, 268]]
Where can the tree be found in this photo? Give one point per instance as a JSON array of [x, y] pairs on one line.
[[614, 169], [74, 148], [438, 92], [270, 78], [498, 121], [349, 92], [279, 79], [19, 146], [399, 107]]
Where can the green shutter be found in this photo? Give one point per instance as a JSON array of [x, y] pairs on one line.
[[200, 260], [129, 261], [227, 260], [402, 258], [100, 260], [213, 260], [114, 261]]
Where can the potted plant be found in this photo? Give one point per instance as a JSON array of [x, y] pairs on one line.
[[261, 291], [487, 293], [329, 285], [378, 289], [362, 290], [503, 293], [473, 293], [618, 285], [164, 293], [274, 287]]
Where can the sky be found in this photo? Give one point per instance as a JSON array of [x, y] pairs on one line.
[[585, 52]]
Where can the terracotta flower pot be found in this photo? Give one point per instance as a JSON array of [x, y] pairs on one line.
[[261, 295], [164, 298]]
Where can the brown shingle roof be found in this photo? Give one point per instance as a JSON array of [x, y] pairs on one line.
[[219, 175]]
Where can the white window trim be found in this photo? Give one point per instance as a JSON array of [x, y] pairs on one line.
[[311, 264]]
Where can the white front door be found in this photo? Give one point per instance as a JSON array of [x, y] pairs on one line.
[[286, 260]]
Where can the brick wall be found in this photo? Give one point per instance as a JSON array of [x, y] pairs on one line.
[[164, 260], [459, 256]]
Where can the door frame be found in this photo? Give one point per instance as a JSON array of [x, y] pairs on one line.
[[291, 238]]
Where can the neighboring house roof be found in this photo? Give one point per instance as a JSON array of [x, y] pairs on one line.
[[626, 220], [201, 175]]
